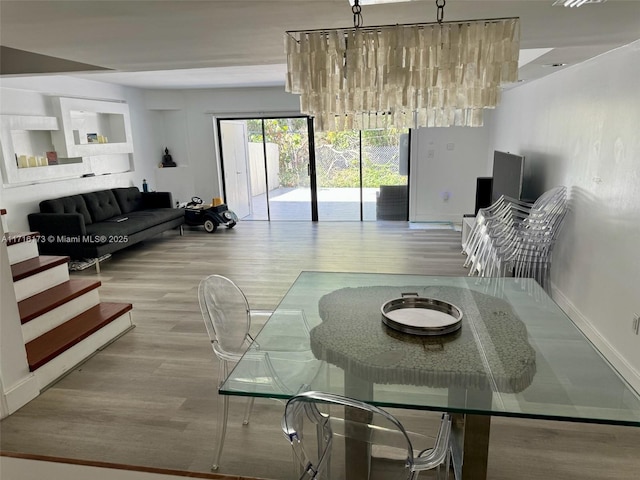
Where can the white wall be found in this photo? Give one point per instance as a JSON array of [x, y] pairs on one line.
[[30, 96], [198, 110], [580, 127], [445, 163], [170, 131]]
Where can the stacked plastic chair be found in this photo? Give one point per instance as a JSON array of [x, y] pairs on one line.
[[500, 215], [514, 237]]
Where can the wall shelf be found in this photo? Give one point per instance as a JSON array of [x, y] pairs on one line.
[[25, 142], [81, 118], [88, 136]]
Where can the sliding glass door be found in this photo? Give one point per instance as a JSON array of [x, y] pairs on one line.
[[277, 169], [286, 144], [362, 175]]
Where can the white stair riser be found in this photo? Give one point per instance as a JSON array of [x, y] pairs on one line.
[[19, 252], [59, 315], [67, 360], [41, 281]]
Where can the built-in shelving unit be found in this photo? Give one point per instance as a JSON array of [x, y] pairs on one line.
[[92, 127], [25, 142], [84, 137]]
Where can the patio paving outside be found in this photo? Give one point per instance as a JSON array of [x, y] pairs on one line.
[[334, 204]]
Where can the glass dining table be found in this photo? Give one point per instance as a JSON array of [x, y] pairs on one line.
[[516, 355]]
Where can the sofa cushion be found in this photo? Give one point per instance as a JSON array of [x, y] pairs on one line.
[[129, 198], [101, 205], [134, 222], [69, 204]]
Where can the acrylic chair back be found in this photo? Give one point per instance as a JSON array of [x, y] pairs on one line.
[[544, 220], [225, 311], [325, 445], [226, 315]]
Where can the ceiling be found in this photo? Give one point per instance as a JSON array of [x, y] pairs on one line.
[[237, 43]]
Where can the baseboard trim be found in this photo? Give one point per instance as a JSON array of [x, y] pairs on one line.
[[425, 217], [21, 393], [626, 370]]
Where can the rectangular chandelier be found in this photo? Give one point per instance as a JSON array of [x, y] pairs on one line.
[[430, 74]]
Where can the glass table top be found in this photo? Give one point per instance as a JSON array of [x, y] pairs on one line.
[[516, 354]]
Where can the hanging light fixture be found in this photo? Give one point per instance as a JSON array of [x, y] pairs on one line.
[[436, 74]]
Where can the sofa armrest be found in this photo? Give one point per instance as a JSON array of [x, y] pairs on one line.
[[157, 200], [68, 224]]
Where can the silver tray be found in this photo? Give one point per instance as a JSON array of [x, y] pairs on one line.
[[421, 316]]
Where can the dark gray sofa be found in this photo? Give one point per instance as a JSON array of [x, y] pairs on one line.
[[90, 225]]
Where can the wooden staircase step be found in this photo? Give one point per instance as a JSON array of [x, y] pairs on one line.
[[36, 265], [46, 347], [13, 238], [44, 302]]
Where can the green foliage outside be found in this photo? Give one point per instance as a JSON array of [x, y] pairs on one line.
[[373, 175], [290, 134], [345, 139]]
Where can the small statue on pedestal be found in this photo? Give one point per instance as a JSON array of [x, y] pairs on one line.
[[167, 161]]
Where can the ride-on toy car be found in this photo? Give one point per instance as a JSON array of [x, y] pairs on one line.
[[210, 216]]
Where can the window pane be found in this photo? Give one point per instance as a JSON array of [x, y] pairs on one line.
[[338, 175], [385, 174]]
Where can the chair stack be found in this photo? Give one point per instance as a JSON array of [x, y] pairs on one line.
[[516, 238]]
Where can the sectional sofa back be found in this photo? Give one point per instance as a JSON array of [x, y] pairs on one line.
[[129, 199], [96, 206], [70, 204]]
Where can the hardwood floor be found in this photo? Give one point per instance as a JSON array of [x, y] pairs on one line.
[[150, 398]]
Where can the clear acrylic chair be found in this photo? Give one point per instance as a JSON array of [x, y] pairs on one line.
[[227, 317], [319, 440]]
